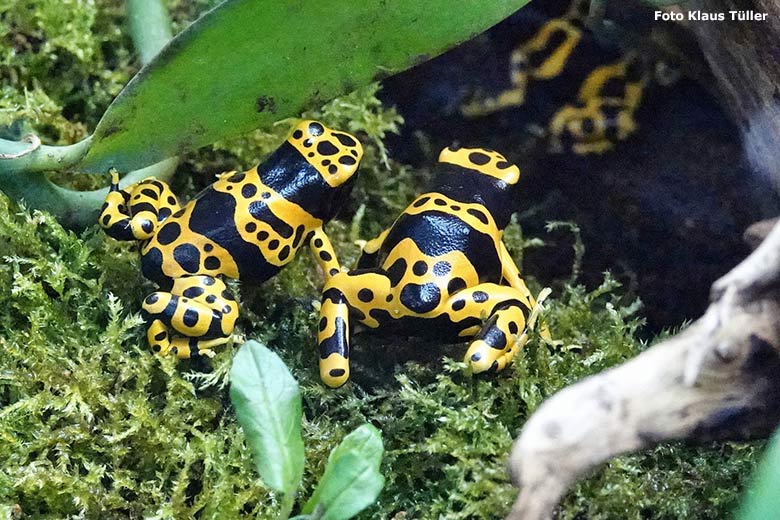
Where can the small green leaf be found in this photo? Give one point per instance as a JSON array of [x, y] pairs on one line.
[[763, 500], [249, 63], [351, 481], [268, 406]]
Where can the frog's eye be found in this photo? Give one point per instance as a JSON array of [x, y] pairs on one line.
[[335, 155], [483, 161]]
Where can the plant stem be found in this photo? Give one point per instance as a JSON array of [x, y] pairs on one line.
[[288, 501]]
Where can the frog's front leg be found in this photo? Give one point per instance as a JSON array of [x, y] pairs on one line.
[[324, 254], [503, 333], [134, 213], [357, 293], [199, 310]]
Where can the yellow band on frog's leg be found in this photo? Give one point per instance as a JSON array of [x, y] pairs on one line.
[[370, 253], [324, 254], [333, 338]]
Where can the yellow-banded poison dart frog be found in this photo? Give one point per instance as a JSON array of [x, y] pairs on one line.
[[599, 92], [246, 225], [438, 271]]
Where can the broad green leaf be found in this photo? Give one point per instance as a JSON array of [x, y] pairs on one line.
[[351, 481], [763, 499], [268, 406], [249, 63]]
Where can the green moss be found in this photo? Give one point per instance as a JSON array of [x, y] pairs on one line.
[[92, 425]]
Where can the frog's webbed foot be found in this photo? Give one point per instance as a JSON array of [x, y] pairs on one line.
[[198, 314], [134, 212], [503, 335]]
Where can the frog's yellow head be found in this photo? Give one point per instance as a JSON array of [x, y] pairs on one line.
[[335, 155], [481, 160]]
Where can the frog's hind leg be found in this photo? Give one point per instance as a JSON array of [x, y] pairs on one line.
[[502, 336], [198, 314], [135, 212]]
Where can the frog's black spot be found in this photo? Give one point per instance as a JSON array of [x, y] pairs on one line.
[[297, 134], [614, 87], [147, 226], [396, 271], [588, 126], [365, 295], [248, 191], [458, 305], [420, 298], [455, 285], [310, 154], [512, 327], [298, 235], [262, 212], [344, 139], [284, 253], [211, 298], [480, 296], [442, 268], [230, 188], [188, 257], [103, 207], [160, 336], [317, 242], [208, 280], [354, 152], [190, 317], [495, 338], [179, 213], [152, 299], [479, 158], [421, 202], [333, 272], [476, 356], [316, 129], [326, 162], [171, 200], [156, 348], [326, 256], [149, 193], [326, 148], [323, 323], [420, 268], [168, 233], [265, 194], [479, 215], [440, 202], [273, 244], [211, 263], [332, 169], [347, 160], [336, 372], [389, 298], [163, 214], [503, 165], [175, 350], [227, 296], [453, 148], [455, 207], [208, 247], [226, 309], [262, 235], [106, 218], [193, 292], [307, 143], [334, 343], [237, 177]]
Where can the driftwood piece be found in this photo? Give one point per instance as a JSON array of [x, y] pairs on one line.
[[719, 379]]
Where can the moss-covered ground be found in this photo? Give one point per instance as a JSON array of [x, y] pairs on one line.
[[93, 426]]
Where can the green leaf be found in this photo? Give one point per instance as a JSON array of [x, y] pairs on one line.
[[268, 407], [249, 63], [763, 500], [351, 481]]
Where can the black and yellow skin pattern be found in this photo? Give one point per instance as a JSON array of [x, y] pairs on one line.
[[247, 226], [600, 99], [440, 271]]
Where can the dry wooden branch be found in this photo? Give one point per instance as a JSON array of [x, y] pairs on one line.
[[719, 379]]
